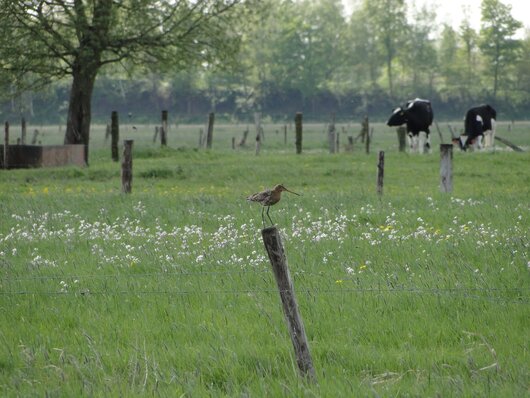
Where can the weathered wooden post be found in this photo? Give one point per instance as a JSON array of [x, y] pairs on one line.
[[209, 136], [244, 138], [23, 131], [163, 131], [446, 167], [115, 135], [331, 134], [35, 136], [402, 138], [365, 128], [368, 139], [6, 145], [274, 247], [107, 133], [380, 172], [257, 123], [285, 134], [126, 167], [298, 127]]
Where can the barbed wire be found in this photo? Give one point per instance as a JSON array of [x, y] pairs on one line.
[[131, 275], [456, 293]]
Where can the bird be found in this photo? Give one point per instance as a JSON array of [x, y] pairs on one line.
[[268, 198]]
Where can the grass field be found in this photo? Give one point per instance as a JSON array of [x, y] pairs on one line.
[[168, 291]]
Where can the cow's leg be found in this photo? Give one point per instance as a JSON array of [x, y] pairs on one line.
[[427, 144], [414, 143], [492, 134], [487, 139], [410, 142], [478, 142]]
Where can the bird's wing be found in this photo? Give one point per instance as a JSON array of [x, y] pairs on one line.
[[259, 196]]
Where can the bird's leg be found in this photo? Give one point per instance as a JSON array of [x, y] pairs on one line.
[[268, 208], [262, 215]]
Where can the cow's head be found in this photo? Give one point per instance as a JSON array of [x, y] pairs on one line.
[[397, 118]]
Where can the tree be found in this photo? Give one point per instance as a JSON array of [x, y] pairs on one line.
[[497, 43], [419, 57], [469, 38], [388, 18], [46, 40]]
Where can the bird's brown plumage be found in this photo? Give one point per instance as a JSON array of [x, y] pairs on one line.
[[268, 198]]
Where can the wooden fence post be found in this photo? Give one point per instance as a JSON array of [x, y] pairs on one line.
[[402, 138], [331, 134], [298, 126], [380, 172], [244, 138], [285, 134], [446, 167], [35, 136], [209, 136], [273, 244], [257, 123], [6, 146], [126, 167], [23, 131], [368, 141], [365, 129], [163, 131], [115, 136]]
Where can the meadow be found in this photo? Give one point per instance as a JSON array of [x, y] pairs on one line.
[[168, 291]]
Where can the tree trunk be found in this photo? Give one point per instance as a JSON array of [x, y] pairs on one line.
[[79, 109]]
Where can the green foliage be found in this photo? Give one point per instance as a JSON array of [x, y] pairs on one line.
[[276, 57], [497, 43]]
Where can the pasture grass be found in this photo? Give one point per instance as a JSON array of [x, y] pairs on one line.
[[168, 291]]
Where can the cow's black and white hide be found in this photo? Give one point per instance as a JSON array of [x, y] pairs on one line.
[[418, 116], [479, 126]]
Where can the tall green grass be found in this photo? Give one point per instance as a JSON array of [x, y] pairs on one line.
[[168, 291]]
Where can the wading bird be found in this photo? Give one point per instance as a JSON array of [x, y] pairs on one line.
[[268, 198]]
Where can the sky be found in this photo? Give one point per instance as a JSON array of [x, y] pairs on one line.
[[451, 11]]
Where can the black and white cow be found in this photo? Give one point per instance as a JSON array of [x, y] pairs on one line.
[[479, 124], [418, 116]]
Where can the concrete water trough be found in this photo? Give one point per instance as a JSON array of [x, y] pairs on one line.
[[28, 156]]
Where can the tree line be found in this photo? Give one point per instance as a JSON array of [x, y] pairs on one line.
[[235, 58]]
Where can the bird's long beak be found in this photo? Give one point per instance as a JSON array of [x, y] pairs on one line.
[[292, 191]]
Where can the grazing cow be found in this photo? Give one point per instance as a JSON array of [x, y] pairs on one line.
[[479, 123], [418, 116]]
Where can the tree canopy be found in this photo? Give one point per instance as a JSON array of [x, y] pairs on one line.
[[45, 40], [274, 56]]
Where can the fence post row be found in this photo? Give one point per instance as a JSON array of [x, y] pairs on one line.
[[446, 167], [126, 167], [274, 247], [115, 136]]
